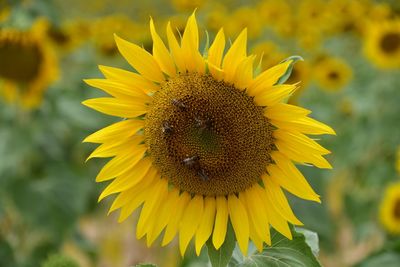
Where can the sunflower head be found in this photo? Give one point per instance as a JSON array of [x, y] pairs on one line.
[[382, 43], [204, 141], [28, 65], [332, 74], [390, 209]]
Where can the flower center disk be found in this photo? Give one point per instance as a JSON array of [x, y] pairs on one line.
[[206, 136], [20, 59]]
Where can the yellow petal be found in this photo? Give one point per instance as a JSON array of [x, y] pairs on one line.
[[300, 142], [268, 78], [235, 54], [275, 218], [125, 197], [277, 196], [151, 204], [123, 108], [131, 79], [121, 164], [221, 222], [176, 216], [240, 222], [309, 157], [256, 211], [285, 112], [117, 131], [216, 72], [304, 125], [161, 53], [216, 51], [190, 47], [164, 215], [175, 49], [206, 224], [190, 221], [140, 60], [119, 89], [291, 183], [244, 73], [134, 201], [112, 149], [273, 95], [258, 240], [126, 181]]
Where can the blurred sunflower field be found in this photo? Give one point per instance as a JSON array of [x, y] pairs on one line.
[[349, 78]]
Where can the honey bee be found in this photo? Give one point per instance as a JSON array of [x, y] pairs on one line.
[[193, 163], [178, 104], [166, 128], [202, 124], [202, 174]]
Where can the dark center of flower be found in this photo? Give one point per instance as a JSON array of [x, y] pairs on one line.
[[206, 136], [59, 36], [20, 59], [333, 75], [390, 42], [396, 211]]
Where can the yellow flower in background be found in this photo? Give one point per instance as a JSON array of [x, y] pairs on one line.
[[28, 65], [245, 17], [382, 44], [216, 17], [4, 10], [398, 160], [276, 14], [104, 28], [187, 5], [332, 73], [203, 142], [70, 34], [270, 53], [301, 74], [390, 209]]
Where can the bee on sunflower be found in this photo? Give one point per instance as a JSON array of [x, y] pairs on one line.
[[28, 65], [390, 209], [382, 43], [203, 142]]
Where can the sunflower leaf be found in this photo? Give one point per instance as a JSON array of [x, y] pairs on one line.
[[282, 253], [222, 256], [289, 70]]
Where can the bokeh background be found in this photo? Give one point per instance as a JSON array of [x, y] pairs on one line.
[[350, 78]]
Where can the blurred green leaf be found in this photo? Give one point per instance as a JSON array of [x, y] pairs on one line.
[[282, 253], [222, 256]]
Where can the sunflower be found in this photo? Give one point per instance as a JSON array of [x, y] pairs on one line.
[[4, 11], [203, 142], [28, 65], [69, 35], [382, 44], [390, 209], [105, 27], [332, 73]]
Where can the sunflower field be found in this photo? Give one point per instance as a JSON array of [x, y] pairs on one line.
[[196, 133]]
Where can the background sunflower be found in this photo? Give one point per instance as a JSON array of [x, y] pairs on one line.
[[48, 200]]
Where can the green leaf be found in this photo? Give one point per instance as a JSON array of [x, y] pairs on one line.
[[282, 253], [290, 68], [145, 265], [388, 259], [222, 256], [311, 239]]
